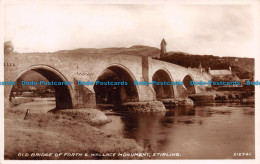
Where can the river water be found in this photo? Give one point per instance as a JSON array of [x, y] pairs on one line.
[[199, 132]]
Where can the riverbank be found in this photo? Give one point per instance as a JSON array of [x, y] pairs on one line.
[[223, 97], [19, 100], [60, 133], [75, 133]]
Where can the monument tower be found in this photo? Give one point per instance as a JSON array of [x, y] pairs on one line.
[[163, 48]]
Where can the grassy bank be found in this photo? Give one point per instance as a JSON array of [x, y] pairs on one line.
[[55, 133]]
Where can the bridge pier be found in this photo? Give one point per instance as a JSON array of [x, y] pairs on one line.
[[84, 97]]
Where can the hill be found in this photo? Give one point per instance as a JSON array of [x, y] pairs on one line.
[[136, 50], [242, 67]]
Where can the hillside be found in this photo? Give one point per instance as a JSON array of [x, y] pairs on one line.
[[242, 67], [136, 50]]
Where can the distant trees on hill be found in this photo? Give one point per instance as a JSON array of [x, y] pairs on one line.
[[241, 67]]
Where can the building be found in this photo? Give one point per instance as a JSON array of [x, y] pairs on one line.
[[224, 75], [220, 72]]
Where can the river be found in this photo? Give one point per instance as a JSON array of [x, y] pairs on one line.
[[198, 132]]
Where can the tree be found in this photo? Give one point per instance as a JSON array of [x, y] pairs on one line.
[[8, 47]]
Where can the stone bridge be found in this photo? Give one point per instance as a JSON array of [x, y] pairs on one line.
[[75, 67]]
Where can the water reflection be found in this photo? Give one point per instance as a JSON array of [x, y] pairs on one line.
[[200, 132]]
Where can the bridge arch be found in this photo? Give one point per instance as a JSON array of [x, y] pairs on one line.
[[116, 94], [163, 91], [190, 88], [63, 93]]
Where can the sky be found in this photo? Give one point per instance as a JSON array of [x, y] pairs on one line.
[[222, 30]]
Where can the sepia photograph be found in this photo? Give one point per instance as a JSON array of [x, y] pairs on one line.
[[114, 80]]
